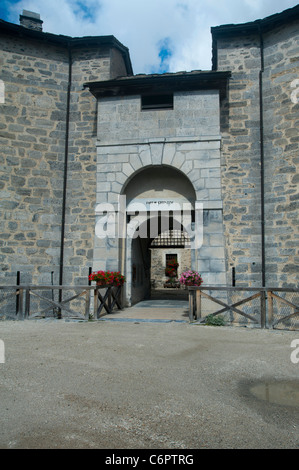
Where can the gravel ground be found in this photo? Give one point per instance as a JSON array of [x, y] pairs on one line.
[[133, 385]]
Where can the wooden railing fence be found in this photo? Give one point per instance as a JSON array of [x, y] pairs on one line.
[[268, 307], [261, 307], [105, 299]]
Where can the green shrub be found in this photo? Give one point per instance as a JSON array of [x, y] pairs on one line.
[[212, 320]]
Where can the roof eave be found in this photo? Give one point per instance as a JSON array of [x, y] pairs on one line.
[[163, 83], [68, 41], [253, 27]]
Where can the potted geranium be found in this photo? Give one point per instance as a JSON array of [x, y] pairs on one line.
[[107, 278], [171, 268], [171, 272], [191, 278]]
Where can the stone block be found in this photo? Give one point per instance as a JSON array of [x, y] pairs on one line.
[[168, 153], [217, 265], [211, 253], [156, 153]]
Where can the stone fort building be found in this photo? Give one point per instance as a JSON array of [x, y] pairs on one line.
[[80, 133]]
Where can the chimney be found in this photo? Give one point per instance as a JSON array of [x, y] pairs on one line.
[[31, 20]]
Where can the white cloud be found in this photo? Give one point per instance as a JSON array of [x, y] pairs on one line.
[[143, 25]]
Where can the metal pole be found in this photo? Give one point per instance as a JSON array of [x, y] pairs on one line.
[[52, 272], [18, 293], [233, 276]]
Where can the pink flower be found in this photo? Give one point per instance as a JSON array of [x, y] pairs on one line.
[[191, 278]]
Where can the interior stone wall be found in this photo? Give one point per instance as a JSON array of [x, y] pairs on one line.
[[158, 263]]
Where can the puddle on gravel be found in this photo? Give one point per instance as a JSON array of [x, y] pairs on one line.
[[280, 393]]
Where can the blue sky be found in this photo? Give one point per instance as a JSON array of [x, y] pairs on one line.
[[162, 35]]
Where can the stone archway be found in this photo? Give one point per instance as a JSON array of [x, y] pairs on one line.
[[155, 200]]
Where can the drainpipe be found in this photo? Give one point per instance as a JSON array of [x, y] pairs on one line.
[[65, 169], [262, 157]]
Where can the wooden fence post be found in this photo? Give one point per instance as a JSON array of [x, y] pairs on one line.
[[27, 303], [270, 309], [198, 304], [263, 309], [20, 304], [192, 304], [95, 304], [87, 304], [109, 299]]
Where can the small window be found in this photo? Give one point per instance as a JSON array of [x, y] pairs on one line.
[[157, 102], [171, 257]]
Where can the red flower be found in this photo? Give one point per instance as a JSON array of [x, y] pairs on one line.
[[108, 277]]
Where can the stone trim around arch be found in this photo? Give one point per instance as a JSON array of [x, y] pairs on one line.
[[198, 159]]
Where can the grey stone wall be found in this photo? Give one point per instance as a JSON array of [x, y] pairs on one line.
[[281, 118], [32, 132], [33, 141], [241, 156], [87, 63]]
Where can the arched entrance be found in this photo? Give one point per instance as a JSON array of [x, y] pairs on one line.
[[160, 203], [150, 257]]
